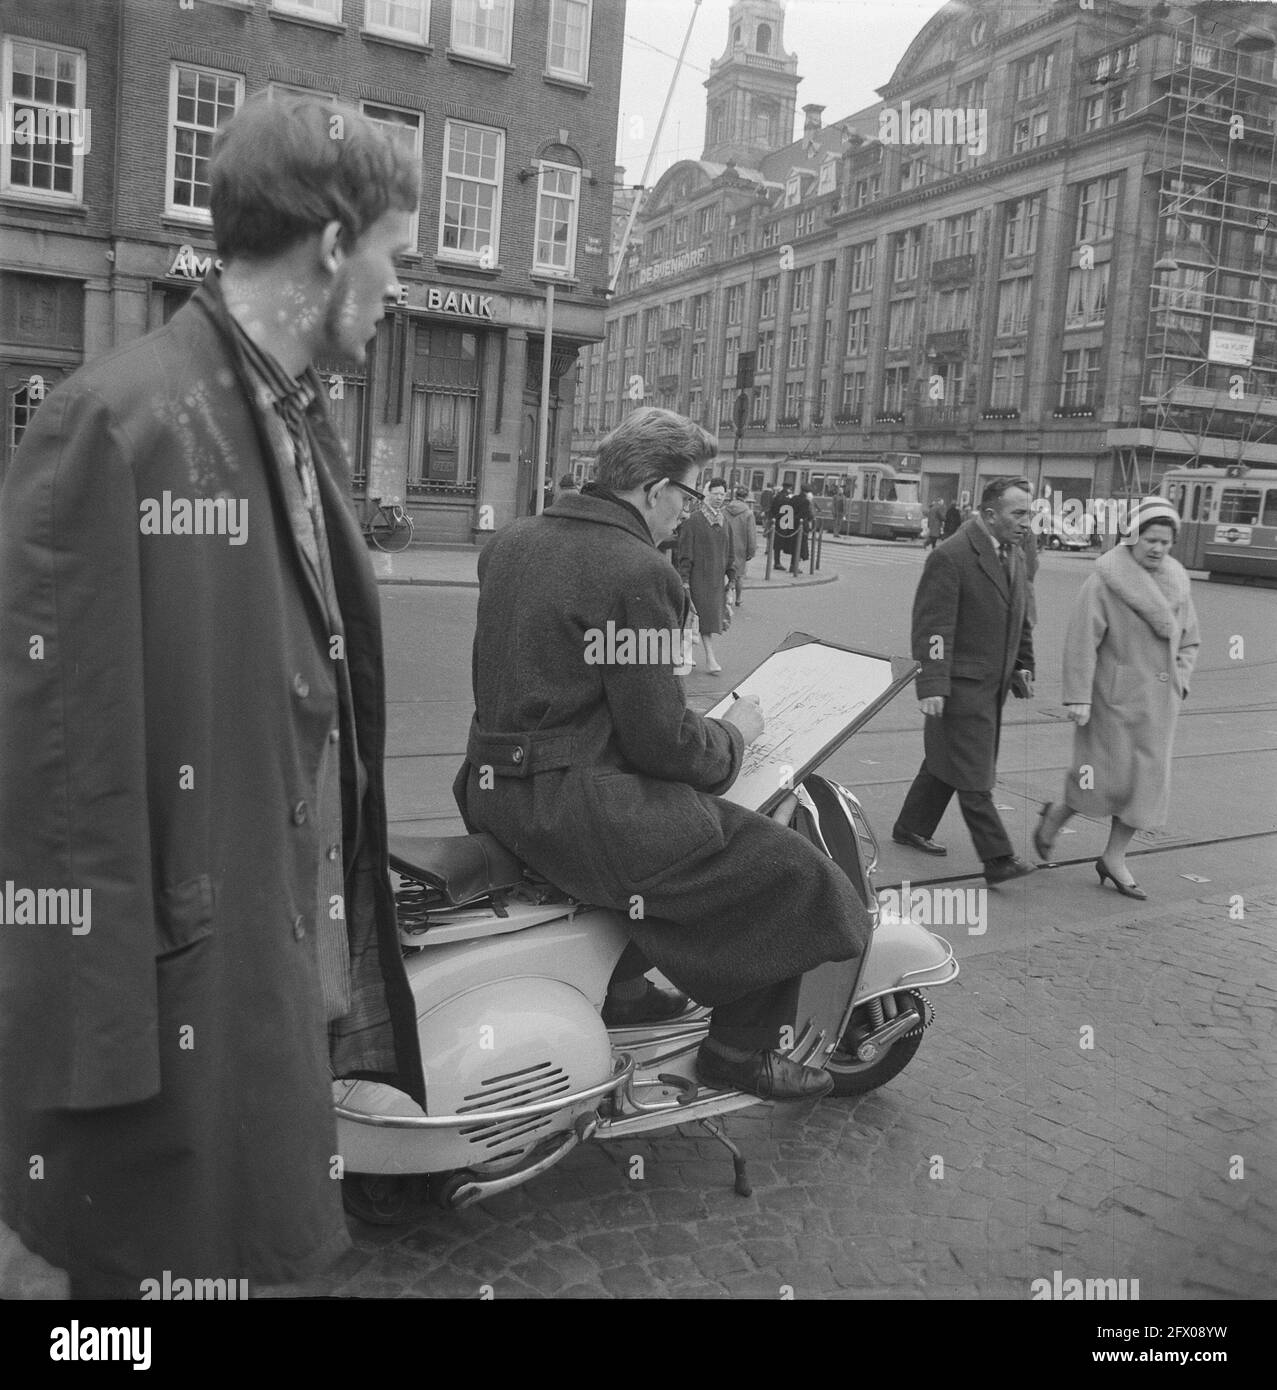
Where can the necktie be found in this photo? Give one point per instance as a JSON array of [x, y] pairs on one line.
[[1004, 554]]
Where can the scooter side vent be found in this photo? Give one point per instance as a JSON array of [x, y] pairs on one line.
[[505, 1091]]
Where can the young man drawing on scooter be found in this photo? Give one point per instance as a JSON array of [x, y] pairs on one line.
[[598, 775]]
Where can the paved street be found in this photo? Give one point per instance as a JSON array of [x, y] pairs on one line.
[[1018, 1142]]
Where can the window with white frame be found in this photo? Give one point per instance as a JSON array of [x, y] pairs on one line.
[[1014, 301], [726, 401], [651, 324], [568, 50], [735, 303], [705, 220], [44, 99], [1087, 296], [906, 253], [900, 324], [895, 390], [399, 19], [766, 346], [913, 172], [404, 128], [767, 293], [822, 401], [793, 190], [798, 346], [311, 9], [853, 393], [1028, 133], [674, 313], [680, 232], [805, 222], [629, 330], [696, 369], [761, 407], [695, 404], [1081, 377], [669, 358], [1033, 75], [857, 332], [649, 362], [201, 101], [947, 385], [960, 234], [470, 195], [558, 196], [953, 309], [770, 236], [828, 180], [862, 267], [829, 278], [793, 400], [700, 313], [1007, 385], [1097, 209], [481, 28], [800, 300], [826, 341], [1020, 229]]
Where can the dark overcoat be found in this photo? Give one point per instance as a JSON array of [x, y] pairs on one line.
[[970, 634], [598, 775], [160, 747], [706, 560]]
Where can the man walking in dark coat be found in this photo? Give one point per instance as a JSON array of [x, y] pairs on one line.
[[972, 636], [785, 524], [194, 748], [603, 780]]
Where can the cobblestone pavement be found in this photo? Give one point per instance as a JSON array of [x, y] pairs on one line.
[[1148, 1156]]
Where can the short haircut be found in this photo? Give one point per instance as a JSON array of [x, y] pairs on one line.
[[716, 482], [742, 494], [283, 166], [996, 487], [651, 444]]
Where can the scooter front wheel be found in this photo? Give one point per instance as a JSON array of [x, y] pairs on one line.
[[854, 1077], [380, 1199]]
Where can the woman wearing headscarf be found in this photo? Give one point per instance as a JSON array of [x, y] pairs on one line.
[[706, 559], [1129, 651]]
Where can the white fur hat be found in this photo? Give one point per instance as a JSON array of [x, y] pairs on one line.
[[1151, 509]]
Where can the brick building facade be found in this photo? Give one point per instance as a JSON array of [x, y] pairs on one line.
[[511, 109]]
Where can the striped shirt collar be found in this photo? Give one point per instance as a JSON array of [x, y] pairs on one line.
[[275, 386]]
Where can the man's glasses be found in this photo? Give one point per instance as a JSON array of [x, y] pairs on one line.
[[692, 495]]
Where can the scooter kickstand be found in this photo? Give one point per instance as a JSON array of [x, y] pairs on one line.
[[743, 1188]]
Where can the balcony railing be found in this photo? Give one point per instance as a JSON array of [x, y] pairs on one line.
[[951, 269], [949, 342]]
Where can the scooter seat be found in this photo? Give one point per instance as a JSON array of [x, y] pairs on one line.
[[462, 867]]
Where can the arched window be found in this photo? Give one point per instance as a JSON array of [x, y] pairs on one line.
[[736, 35], [764, 41]]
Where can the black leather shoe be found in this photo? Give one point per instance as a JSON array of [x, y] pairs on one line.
[[655, 1006], [770, 1075], [1005, 869], [906, 837]]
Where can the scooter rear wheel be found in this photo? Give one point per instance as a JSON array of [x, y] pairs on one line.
[[380, 1199], [853, 1077]]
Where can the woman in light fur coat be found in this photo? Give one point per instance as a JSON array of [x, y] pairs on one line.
[[1129, 651]]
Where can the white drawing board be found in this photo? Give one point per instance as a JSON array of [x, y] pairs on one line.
[[814, 695]]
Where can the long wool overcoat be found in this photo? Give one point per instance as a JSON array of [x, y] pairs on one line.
[[164, 703], [625, 800], [706, 560], [1129, 652], [970, 633]]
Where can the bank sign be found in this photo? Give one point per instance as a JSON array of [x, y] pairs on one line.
[[674, 265], [464, 302]]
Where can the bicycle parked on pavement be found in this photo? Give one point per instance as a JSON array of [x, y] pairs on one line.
[[388, 526]]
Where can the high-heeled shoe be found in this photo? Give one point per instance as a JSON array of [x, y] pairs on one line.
[[1127, 890], [1041, 845]]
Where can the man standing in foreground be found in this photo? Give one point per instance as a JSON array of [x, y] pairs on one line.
[[191, 736], [972, 635]]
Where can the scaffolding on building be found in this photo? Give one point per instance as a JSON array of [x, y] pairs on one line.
[[1209, 392]]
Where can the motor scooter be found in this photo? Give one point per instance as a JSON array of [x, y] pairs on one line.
[[509, 976]]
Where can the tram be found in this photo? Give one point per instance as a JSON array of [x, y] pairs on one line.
[[882, 489], [1228, 521]]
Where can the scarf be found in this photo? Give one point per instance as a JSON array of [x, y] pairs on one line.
[[1158, 599]]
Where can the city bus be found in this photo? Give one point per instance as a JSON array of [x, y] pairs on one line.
[[882, 489], [1228, 521]]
